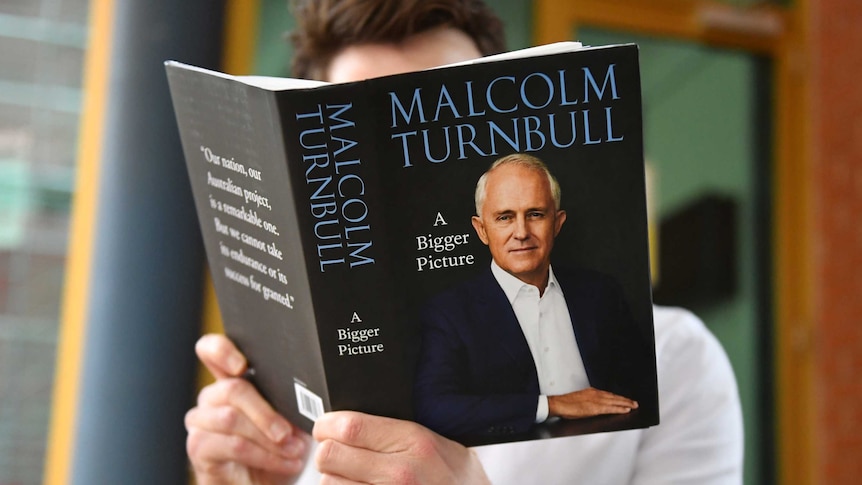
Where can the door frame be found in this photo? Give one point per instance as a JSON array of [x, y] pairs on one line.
[[780, 34]]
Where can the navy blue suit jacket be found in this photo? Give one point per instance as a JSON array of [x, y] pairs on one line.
[[476, 375]]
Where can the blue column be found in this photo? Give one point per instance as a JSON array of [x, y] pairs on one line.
[[144, 309]]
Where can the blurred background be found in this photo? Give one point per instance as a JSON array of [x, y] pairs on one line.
[[753, 137]]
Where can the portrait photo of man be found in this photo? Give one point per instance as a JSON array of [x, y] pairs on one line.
[[525, 344]]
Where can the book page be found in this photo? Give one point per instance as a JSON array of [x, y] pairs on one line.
[[542, 50], [272, 83]]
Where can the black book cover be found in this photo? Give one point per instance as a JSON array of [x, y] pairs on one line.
[[336, 217]]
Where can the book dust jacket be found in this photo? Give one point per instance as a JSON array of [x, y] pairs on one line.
[[353, 269]]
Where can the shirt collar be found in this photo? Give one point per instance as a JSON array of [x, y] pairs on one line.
[[512, 285]]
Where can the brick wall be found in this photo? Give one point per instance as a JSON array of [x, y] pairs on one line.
[[836, 96]]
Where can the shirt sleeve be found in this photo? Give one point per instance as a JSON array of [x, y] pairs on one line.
[[542, 409], [700, 438]]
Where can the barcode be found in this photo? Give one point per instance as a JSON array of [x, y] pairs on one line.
[[310, 405]]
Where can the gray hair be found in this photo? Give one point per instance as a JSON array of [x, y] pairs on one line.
[[522, 160]]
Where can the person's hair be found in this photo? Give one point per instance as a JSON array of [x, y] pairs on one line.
[[521, 160], [325, 27]]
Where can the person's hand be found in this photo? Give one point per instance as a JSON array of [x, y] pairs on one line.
[[356, 447], [234, 435], [589, 402]]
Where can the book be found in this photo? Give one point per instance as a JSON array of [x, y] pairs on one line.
[[338, 222]]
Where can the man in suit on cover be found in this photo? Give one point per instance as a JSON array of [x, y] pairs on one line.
[[524, 342]]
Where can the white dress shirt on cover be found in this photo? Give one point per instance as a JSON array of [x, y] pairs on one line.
[[547, 327]]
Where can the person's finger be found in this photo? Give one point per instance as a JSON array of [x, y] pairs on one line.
[[582, 404], [240, 394], [348, 464], [220, 356], [617, 401], [363, 448], [227, 420], [611, 398], [597, 409], [212, 451], [367, 431], [412, 464]]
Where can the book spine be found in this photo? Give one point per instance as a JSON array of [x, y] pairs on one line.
[[298, 374], [363, 330]]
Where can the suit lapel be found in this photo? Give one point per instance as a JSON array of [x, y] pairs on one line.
[[499, 322], [585, 325]]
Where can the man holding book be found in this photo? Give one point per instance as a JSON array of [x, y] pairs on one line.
[[236, 437]]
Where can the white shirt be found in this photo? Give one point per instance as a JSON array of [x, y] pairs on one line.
[[699, 440], [547, 326]]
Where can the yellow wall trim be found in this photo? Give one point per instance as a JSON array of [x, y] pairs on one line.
[[240, 36], [73, 318], [793, 259]]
